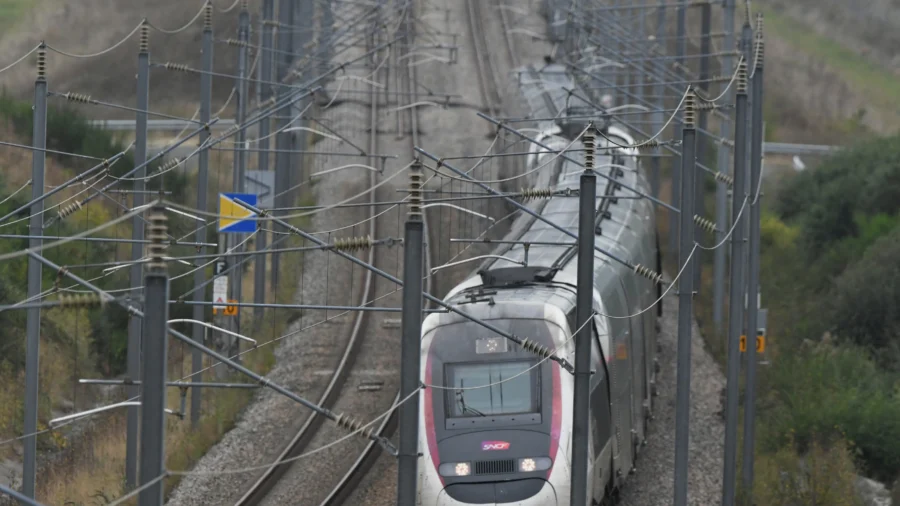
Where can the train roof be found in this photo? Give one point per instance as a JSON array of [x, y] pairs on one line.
[[620, 211]]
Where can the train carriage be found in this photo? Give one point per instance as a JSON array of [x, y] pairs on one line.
[[496, 420]]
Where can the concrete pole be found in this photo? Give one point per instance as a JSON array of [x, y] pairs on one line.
[[753, 286], [582, 400], [660, 105], [642, 66], [198, 331], [721, 190], [282, 139], [699, 187], [685, 301], [680, 52], [735, 306], [137, 252], [33, 314], [265, 92], [410, 354], [326, 45], [153, 374], [302, 41], [747, 48], [240, 167]]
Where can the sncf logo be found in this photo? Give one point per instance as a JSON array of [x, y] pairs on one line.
[[494, 445]]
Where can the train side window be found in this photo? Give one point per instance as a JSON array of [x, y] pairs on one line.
[[601, 423]]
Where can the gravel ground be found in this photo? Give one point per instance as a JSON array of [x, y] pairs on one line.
[[267, 424], [305, 360], [652, 484]]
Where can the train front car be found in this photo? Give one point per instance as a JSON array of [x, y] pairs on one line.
[[494, 414]]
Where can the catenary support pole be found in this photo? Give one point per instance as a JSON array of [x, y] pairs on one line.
[[198, 331], [753, 285], [721, 190], [264, 93], [240, 158], [581, 419], [411, 320], [660, 105], [736, 293], [702, 141], [747, 48], [33, 314], [680, 52], [153, 374], [685, 300], [302, 41], [642, 70], [137, 252], [282, 119]]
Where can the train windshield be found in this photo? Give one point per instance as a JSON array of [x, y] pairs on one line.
[[497, 388]]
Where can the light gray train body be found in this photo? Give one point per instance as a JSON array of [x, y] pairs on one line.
[[496, 421]]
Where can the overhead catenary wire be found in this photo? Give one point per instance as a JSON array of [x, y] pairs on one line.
[[359, 430]]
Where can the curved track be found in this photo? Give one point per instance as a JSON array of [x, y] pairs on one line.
[[389, 425], [487, 71], [301, 440]]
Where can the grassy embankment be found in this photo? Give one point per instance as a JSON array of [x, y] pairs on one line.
[[828, 404], [91, 343]]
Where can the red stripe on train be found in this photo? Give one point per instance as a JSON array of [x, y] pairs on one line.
[[429, 418]]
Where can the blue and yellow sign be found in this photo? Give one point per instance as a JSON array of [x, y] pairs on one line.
[[233, 217]]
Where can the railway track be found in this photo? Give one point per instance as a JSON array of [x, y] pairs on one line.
[[367, 458], [362, 329], [487, 71], [301, 440]]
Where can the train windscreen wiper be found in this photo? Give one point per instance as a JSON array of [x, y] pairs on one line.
[[460, 398]]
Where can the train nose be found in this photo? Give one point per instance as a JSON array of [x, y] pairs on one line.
[[527, 492]]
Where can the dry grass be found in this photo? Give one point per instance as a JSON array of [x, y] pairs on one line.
[[95, 469], [94, 25], [89, 475]]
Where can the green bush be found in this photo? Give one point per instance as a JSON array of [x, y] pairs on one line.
[[865, 301], [69, 131], [821, 392], [827, 200], [823, 474]]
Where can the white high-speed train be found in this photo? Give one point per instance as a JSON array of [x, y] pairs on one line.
[[496, 428]]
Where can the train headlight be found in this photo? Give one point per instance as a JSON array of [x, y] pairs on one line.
[[455, 469], [532, 464]]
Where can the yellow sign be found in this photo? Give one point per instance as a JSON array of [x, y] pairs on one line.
[[760, 343], [233, 216], [230, 310]]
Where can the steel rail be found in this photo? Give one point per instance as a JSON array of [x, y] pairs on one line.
[[301, 440], [370, 454]]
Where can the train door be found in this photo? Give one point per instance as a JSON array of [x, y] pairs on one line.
[[620, 374], [601, 422], [631, 289]]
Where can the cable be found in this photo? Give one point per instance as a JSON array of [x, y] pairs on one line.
[[512, 178], [291, 216], [724, 91], [324, 447], [183, 28], [99, 53], [229, 9], [538, 364], [26, 185], [737, 220], [103, 226], [26, 55]]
